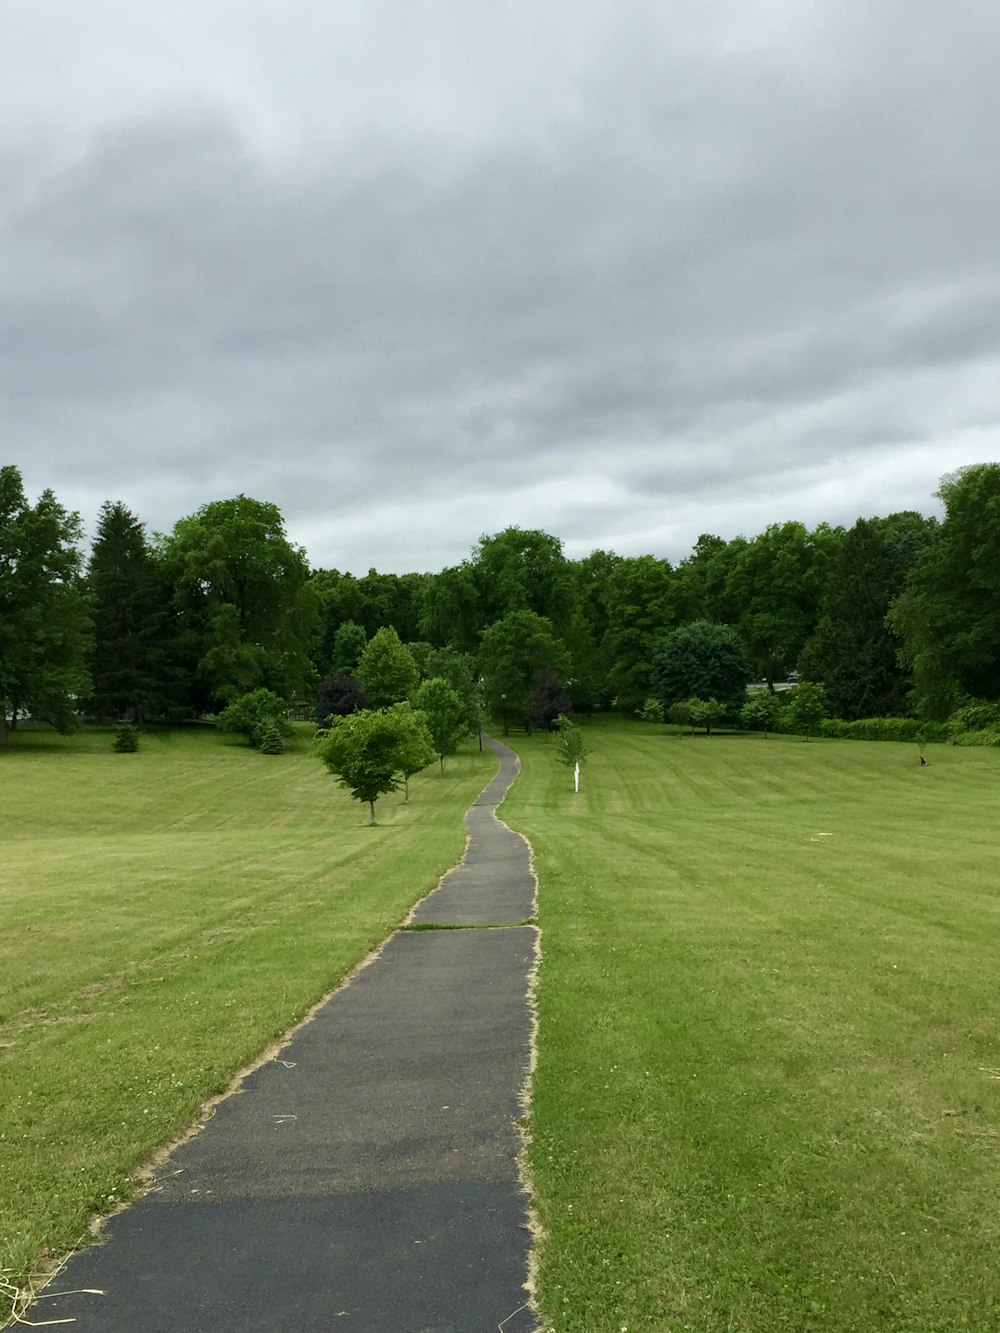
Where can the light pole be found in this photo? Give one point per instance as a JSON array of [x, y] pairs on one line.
[[503, 700]]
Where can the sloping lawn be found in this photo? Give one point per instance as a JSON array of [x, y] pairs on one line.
[[768, 1092], [164, 916]]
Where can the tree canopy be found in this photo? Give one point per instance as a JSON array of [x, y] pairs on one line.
[[44, 616], [248, 611], [369, 752], [130, 665], [948, 615], [701, 661], [386, 672], [516, 654]]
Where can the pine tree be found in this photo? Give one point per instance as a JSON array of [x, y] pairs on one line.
[[128, 662]]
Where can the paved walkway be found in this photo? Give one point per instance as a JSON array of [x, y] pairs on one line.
[[365, 1181]]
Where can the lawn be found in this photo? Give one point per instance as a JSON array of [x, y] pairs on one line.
[[768, 1089], [163, 917]]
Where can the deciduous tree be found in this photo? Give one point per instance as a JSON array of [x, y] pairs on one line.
[[702, 661], [639, 596], [760, 712], [336, 697], [243, 590], [517, 652], [444, 714], [368, 752], [805, 707], [386, 671], [948, 617]]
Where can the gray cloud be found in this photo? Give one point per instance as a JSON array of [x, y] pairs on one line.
[[628, 274]]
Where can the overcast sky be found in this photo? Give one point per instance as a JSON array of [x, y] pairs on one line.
[[416, 270]]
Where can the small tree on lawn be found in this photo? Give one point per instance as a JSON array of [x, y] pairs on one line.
[[652, 710], [806, 707], [570, 746], [126, 739], [680, 714], [269, 738], [760, 712], [416, 747], [706, 713], [444, 714], [369, 751]]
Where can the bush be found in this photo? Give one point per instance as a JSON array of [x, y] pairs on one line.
[[975, 715], [988, 736], [761, 711], [126, 738], [248, 714], [679, 714], [651, 711], [884, 729]]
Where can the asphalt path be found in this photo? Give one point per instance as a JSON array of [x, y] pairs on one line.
[[365, 1180]]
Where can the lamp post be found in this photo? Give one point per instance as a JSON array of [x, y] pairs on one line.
[[503, 700]]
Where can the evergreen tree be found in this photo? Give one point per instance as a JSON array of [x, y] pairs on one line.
[[128, 662], [854, 652]]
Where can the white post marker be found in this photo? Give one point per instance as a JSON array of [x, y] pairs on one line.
[[576, 777]]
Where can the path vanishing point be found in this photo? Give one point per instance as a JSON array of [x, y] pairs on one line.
[[365, 1179]]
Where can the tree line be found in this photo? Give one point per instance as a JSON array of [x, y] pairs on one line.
[[894, 616]]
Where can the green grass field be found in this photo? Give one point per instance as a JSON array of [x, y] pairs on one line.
[[163, 917], [768, 1090]]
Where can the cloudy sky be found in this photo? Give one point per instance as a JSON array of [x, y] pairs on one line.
[[419, 269]]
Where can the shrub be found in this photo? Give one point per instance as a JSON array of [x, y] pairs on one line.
[[679, 714], [651, 711], [126, 738], [884, 729], [988, 736], [247, 715], [975, 715], [269, 738]]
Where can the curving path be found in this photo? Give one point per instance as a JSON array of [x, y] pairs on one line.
[[365, 1180]]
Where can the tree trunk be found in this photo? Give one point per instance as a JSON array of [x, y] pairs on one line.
[[371, 806], [4, 731]]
